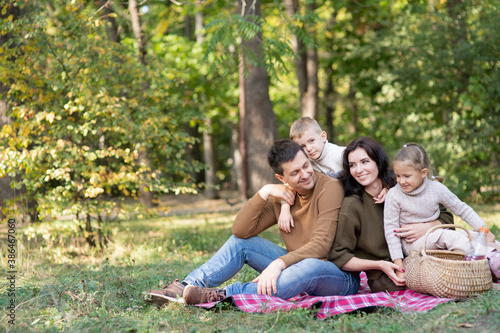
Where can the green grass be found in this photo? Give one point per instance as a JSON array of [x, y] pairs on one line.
[[64, 286]]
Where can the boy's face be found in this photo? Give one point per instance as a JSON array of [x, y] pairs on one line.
[[313, 143]]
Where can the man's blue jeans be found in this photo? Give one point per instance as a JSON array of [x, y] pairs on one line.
[[310, 276]]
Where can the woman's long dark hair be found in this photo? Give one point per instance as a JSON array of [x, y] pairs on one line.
[[377, 154]]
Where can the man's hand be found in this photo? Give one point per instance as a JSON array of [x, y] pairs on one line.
[[267, 280], [279, 191]]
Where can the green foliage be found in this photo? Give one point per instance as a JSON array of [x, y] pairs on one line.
[[447, 77], [85, 110], [405, 73]]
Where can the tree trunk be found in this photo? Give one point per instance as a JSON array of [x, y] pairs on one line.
[[292, 8], [329, 106], [458, 34], [310, 99], [111, 26], [136, 28], [146, 194], [236, 159], [260, 121], [306, 64], [23, 200], [208, 139], [6, 191], [210, 161], [242, 142], [354, 125], [329, 99]]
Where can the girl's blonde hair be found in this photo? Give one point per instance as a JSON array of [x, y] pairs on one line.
[[415, 156]]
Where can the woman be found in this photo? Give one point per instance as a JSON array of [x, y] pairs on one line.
[[360, 242]]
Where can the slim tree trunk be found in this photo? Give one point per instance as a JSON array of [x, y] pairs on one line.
[[310, 98], [208, 139], [111, 26], [146, 194], [243, 138], [354, 125], [23, 200], [329, 99], [306, 63], [136, 28], [292, 8]]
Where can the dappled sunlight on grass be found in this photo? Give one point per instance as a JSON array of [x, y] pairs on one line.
[[63, 284], [490, 213]]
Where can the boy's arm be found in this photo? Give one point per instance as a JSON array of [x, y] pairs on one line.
[[258, 214], [285, 220]]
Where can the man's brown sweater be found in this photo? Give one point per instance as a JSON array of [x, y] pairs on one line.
[[315, 216]]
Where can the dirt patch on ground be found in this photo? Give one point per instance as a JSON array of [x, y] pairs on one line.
[[184, 204]]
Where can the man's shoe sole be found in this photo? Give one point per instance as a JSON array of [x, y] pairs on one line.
[[162, 299]]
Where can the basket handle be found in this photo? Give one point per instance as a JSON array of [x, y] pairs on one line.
[[422, 251]]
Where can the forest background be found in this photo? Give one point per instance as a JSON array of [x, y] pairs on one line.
[[116, 113], [106, 101]]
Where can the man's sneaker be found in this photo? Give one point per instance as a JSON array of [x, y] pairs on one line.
[[199, 295], [171, 292], [494, 262]]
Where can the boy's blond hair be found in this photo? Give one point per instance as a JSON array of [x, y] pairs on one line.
[[303, 124]]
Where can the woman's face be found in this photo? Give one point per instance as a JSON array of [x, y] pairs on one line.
[[362, 167]]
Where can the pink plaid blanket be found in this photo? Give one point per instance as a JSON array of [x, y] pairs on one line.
[[404, 301]]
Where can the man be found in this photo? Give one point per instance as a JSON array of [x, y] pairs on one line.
[[301, 267]]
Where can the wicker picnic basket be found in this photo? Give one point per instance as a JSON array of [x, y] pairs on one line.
[[445, 273]]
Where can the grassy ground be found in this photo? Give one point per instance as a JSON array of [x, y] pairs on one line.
[[62, 285]]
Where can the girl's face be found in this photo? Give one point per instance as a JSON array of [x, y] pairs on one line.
[[363, 168], [408, 177]]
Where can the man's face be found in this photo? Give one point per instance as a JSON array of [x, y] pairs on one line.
[[299, 174], [313, 143]]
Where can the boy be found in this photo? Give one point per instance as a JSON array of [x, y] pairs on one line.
[[325, 157]]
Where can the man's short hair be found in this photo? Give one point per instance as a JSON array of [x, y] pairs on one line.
[[301, 125], [281, 152]]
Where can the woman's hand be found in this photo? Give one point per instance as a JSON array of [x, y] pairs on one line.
[[394, 272], [356, 264], [412, 232]]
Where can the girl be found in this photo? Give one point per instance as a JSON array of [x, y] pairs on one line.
[[360, 244], [416, 199]]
